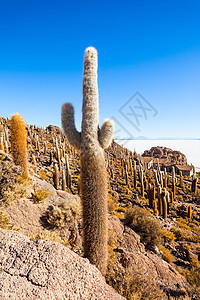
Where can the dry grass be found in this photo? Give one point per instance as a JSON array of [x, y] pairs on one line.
[[5, 221], [46, 235], [13, 184]]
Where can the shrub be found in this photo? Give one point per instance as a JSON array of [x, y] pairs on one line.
[[135, 287], [43, 175], [193, 274], [168, 236], [66, 211], [166, 254], [140, 221], [181, 234], [40, 195], [114, 208], [56, 217], [23, 179], [183, 224]]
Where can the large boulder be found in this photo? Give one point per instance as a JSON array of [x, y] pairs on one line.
[[47, 270]]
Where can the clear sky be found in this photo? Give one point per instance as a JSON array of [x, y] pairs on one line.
[[149, 47]]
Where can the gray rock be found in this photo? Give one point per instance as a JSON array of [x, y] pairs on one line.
[[47, 270]]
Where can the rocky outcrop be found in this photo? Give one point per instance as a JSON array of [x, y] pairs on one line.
[[147, 264], [166, 153], [47, 270]]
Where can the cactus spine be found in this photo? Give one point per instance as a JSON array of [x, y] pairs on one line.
[[19, 142], [91, 142]]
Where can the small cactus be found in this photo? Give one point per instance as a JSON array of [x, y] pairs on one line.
[[142, 183], [194, 184], [165, 178], [51, 158], [181, 179], [126, 175], [91, 142], [1, 143], [155, 208], [68, 172], [56, 177], [174, 186], [160, 204], [63, 181], [34, 163], [164, 203], [189, 212], [135, 174]]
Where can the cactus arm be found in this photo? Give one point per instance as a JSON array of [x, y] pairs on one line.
[[105, 134], [90, 108], [68, 125]]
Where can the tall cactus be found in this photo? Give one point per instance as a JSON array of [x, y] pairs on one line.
[[19, 142], [91, 142]]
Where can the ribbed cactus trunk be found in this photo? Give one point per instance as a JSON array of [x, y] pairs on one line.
[[92, 141]]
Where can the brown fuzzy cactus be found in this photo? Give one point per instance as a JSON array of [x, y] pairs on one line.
[[91, 141], [19, 142], [164, 203], [56, 177]]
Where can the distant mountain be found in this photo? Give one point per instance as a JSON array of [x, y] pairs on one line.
[[168, 138], [141, 138], [160, 138]]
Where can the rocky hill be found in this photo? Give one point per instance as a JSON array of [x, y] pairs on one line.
[[20, 255], [150, 254]]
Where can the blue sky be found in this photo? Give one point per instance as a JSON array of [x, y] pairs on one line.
[[150, 47]]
